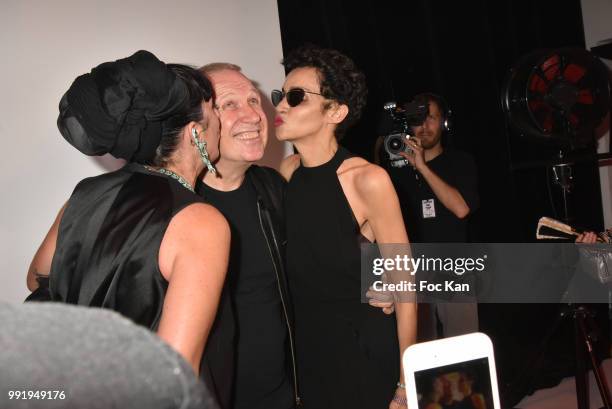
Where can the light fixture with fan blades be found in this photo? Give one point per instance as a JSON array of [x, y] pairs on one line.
[[558, 95]]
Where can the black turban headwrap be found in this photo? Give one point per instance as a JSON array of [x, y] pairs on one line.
[[119, 107]]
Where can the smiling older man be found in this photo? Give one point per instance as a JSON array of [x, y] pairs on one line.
[[250, 197]]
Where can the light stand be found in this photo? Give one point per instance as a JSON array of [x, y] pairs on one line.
[[580, 314], [584, 325], [560, 96], [564, 178]]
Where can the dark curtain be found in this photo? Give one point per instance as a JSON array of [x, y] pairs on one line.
[[463, 51]]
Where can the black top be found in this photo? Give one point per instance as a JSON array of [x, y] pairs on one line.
[[261, 378], [109, 239], [107, 255], [426, 218], [322, 235], [347, 352]]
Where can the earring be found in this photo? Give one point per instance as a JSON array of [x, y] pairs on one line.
[[201, 145], [194, 134]]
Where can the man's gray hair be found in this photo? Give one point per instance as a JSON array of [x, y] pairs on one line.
[[219, 66]]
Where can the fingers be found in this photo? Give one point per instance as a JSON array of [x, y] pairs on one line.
[[410, 157], [380, 304], [588, 238], [388, 308], [415, 144], [379, 297], [415, 140]]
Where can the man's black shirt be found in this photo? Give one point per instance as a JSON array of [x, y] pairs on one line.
[[427, 219], [261, 379]]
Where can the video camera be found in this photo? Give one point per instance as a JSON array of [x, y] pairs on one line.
[[404, 117]]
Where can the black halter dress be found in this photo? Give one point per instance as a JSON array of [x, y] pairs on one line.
[[347, 352]]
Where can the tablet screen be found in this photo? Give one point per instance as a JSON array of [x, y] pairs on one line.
[[464, 385]]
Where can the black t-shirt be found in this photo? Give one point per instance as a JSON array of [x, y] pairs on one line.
[[426, 218], [261, 379]]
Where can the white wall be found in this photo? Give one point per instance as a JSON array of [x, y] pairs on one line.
[[596, 16], [46, 44]]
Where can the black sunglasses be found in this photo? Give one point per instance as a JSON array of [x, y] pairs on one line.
[[294, 96]]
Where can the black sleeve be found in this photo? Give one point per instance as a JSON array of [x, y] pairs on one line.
[[42, 293], [466, 180]]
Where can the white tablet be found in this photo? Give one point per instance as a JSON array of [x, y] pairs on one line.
[[456, 372]]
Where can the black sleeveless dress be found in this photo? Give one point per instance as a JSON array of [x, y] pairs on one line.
[[107, 256], [347, 352]]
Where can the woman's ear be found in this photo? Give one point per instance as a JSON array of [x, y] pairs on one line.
[[337, 112], [192, 130]]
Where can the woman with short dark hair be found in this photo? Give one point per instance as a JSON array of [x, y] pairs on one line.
[[348, 352]]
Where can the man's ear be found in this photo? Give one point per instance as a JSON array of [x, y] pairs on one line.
[[337, 112]]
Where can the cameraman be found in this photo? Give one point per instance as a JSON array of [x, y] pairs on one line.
[[437, 191]]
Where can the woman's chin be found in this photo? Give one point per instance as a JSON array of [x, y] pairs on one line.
[[282, 136]]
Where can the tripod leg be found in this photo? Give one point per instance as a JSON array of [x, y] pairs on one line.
[[582, 379], [599, 378]]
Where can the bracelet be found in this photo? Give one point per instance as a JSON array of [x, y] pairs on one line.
[[401, 400], [401, 385]]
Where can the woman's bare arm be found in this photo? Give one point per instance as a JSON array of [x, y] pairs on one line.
[[385, 217], [193, 258], [41, 263]]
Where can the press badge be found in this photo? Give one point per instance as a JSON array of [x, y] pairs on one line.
[[429, 209]]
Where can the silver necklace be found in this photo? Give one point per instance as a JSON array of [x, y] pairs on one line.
[[173, 175]]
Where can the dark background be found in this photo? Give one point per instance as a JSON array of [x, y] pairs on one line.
[[463, 51]]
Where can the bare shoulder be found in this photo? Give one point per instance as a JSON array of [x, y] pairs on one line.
[[289, 165], [367, 177], [199, 217], [196, 231]]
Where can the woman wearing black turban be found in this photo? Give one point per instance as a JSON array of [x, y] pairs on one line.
[[138, 240]]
